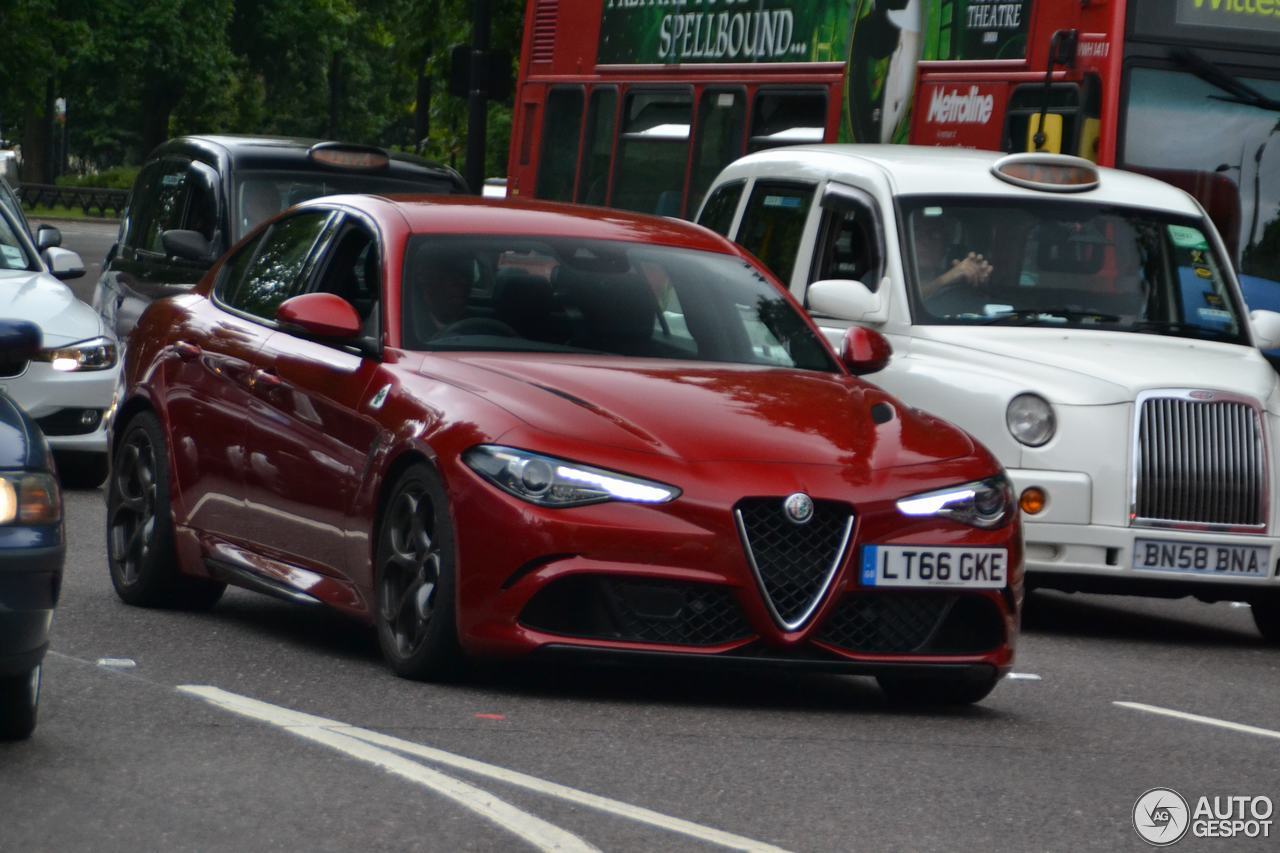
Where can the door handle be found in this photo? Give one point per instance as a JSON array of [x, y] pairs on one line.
[[186, 351], [267, 380]]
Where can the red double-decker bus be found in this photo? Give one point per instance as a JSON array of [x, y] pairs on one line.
[[637, 104]]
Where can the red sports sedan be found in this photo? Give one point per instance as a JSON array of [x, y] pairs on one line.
[[500, 430]]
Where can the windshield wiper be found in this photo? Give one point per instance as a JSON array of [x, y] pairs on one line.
[[1177, 327], [1238, 91], [1029, 316]]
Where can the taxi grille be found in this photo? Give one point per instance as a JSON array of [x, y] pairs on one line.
[[1200, 462], [794, 563], [907, 623]]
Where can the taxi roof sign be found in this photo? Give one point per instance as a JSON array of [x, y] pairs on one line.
[[343, 156], [1056, 173]]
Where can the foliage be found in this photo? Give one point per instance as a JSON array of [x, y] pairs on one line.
[[117, 178], [134, 72]]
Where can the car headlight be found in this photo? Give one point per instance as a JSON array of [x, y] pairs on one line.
[[985, 503], [549, 481], [1030, 419], [96, 354], [29, 499]]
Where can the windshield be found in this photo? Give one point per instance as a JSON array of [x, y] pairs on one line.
[[1195, 135], [1062, 263], [259, 195], [13, 254], [515, 294]]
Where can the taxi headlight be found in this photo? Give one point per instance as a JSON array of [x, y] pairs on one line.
[[95, 354], [985, 503], [1030, 419], [29, 499], [550, 481]]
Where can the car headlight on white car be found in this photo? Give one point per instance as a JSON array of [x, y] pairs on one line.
[[553, 482], [95, 354], [1030, 419], [985, 503]]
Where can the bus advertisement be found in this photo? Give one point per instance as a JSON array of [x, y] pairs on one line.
[[637, 104]]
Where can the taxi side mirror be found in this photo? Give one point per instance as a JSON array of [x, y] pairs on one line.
[[843, 299], [1266, 328]]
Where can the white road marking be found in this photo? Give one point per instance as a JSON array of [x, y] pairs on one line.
[[1023, 676], [297, 721], [534, 830], [1196, 718], [117, 663]]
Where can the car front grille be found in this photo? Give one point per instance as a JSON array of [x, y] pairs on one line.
[[913, 623], [638, 611], [794, 563], [1200, 462]]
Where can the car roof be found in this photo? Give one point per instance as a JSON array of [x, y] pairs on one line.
[[517, 217], [285, 152], [927, 170]]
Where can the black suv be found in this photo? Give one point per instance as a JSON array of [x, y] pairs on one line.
[[196, 196]]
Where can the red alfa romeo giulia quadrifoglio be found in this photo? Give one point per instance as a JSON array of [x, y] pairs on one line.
[[499, 429]]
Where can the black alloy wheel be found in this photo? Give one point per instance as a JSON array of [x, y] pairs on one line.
[[140, 548], [19, 702], [417, 629]]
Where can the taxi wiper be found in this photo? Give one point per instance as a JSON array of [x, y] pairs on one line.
[[1029, 316], [1238, 91]]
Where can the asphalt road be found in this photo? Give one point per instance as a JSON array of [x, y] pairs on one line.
[[154, 735]]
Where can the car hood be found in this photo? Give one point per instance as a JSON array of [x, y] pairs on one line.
[[1088, 367], [41, 299], [697, 411]]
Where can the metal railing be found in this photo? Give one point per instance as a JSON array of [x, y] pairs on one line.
[[88, 199]]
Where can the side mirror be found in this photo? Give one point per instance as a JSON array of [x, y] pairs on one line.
[[1266, 328], [19, 340], [864, 351], [322, 315], [187, 245], [842, 299], [47, 237], [63, 264]]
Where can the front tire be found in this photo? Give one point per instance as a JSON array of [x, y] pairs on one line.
[[140, 546], [416, 583], [1266, 615], [920, 690], [19, 703]]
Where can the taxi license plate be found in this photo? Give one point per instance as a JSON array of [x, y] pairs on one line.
[[914, 566], [1202, 558]]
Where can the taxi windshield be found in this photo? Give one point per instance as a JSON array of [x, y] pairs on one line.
[[1058, 263], [567, 295]]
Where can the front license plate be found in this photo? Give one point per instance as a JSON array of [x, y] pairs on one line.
[[897, 566], [1202, 558]]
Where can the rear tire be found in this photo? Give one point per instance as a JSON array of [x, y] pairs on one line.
[[81, 470], [19, 703], [920, 690], [416, 583], [1266, 615], [140, 547]]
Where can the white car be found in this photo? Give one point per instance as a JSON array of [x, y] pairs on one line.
[[1084, 323], [69, 388]]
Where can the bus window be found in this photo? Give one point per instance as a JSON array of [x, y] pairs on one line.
[[787, 118], [559, 156], [594, 185], [653, 152], [720, 208], [773, 224], [719, 133]]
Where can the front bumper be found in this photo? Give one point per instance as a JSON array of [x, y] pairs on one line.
[[30, 583], [46, 393]]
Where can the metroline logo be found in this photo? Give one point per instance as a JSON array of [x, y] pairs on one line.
[[957, 107], [1241, 7]]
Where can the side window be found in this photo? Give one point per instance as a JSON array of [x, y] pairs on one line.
[[599, 141], [773, 224], [787, 118], [167, 207], [276, 271], [235, 268], [720, 118], [353, 272], [718, 212], [653, 152], [851, 245], [140, 204], [559, 156]]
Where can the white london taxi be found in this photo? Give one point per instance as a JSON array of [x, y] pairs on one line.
[[1084, 323]]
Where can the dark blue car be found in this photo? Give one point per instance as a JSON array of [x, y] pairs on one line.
[[32, 544]]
